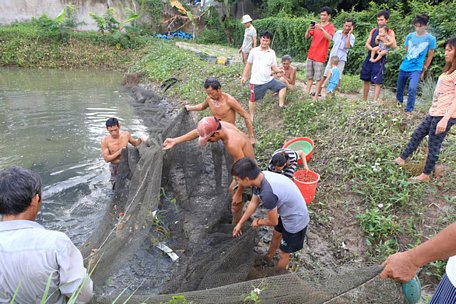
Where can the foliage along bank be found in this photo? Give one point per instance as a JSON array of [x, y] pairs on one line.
[[27, 45], [289, 33]]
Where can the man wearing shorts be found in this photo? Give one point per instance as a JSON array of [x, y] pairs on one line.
[[262, 61], [287, 210], [372, 72], [321, 34], [343, 40]]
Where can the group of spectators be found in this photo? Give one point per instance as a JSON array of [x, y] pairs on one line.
[[261, 66]]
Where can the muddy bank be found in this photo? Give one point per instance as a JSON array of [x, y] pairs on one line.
[[192, 216]]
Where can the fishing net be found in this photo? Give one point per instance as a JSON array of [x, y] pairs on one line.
[[166, 236]]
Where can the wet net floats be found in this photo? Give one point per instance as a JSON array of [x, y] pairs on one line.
[[179, 200]]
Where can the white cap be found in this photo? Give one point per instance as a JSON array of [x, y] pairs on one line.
[[246, 18]]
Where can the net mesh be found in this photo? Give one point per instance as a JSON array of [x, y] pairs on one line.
[[179, 198]]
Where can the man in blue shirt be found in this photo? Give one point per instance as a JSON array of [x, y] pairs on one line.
[[287, 210], [418, 44]]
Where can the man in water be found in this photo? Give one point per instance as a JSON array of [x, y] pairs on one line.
[[223, 106], [112, 145], [32, 257], [236, 143]]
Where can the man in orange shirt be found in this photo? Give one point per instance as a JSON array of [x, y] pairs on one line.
[[321, 34]]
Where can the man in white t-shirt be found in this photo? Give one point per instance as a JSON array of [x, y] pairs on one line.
[[250, 36], [262, 62], [402, 266]]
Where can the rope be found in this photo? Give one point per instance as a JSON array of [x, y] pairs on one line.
[[357, 286]]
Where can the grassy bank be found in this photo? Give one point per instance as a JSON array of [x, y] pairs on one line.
[[26, 45], [364, 201], [364, 208]]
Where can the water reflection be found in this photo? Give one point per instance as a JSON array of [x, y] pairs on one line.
[[52, 122]]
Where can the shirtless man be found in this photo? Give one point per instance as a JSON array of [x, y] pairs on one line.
[[112, 145], [288, 73], [223, 106], [236, 143]]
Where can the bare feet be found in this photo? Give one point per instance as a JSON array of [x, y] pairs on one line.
[[399, 161], [420, 178]]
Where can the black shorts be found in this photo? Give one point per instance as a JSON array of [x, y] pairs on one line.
[[291, 242], [373, 71]]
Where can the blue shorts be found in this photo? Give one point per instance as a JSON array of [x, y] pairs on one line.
[[291, 242], [257, 91], [373, 71]]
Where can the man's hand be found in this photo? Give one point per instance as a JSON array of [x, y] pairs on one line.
[[168, 143], [188, 108], [252, 141], [441, 126], [350, 31], [237, 230], [243, 81], [399, 267], [318, 26]]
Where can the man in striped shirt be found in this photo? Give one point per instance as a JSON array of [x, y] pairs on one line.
[[285, 161]]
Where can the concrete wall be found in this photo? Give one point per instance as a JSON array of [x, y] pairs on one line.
[[23, 10]]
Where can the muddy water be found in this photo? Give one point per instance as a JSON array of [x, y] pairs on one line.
[[52, 122]]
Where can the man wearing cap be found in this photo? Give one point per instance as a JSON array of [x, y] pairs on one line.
[[287, 210], [250, 36], [223, 106], [236, 143]]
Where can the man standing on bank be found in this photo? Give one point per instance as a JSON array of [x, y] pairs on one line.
[[343, 40], [372, 72], [322, 34], [30, 256], [250, 37], [418, 45], [262, 62], [287, 210], [112, 145], [223, 106]]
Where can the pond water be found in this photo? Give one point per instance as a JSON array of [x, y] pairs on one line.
[[52, 121]]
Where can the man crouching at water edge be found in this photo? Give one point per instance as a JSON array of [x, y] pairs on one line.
[[287, 210], [112, 145], [236, 143], [30, 256]]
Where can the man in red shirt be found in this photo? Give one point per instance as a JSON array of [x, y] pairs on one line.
[[321, 34]]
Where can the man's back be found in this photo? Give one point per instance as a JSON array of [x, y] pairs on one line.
[[236, 143], [290, 204], [29, 254]]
